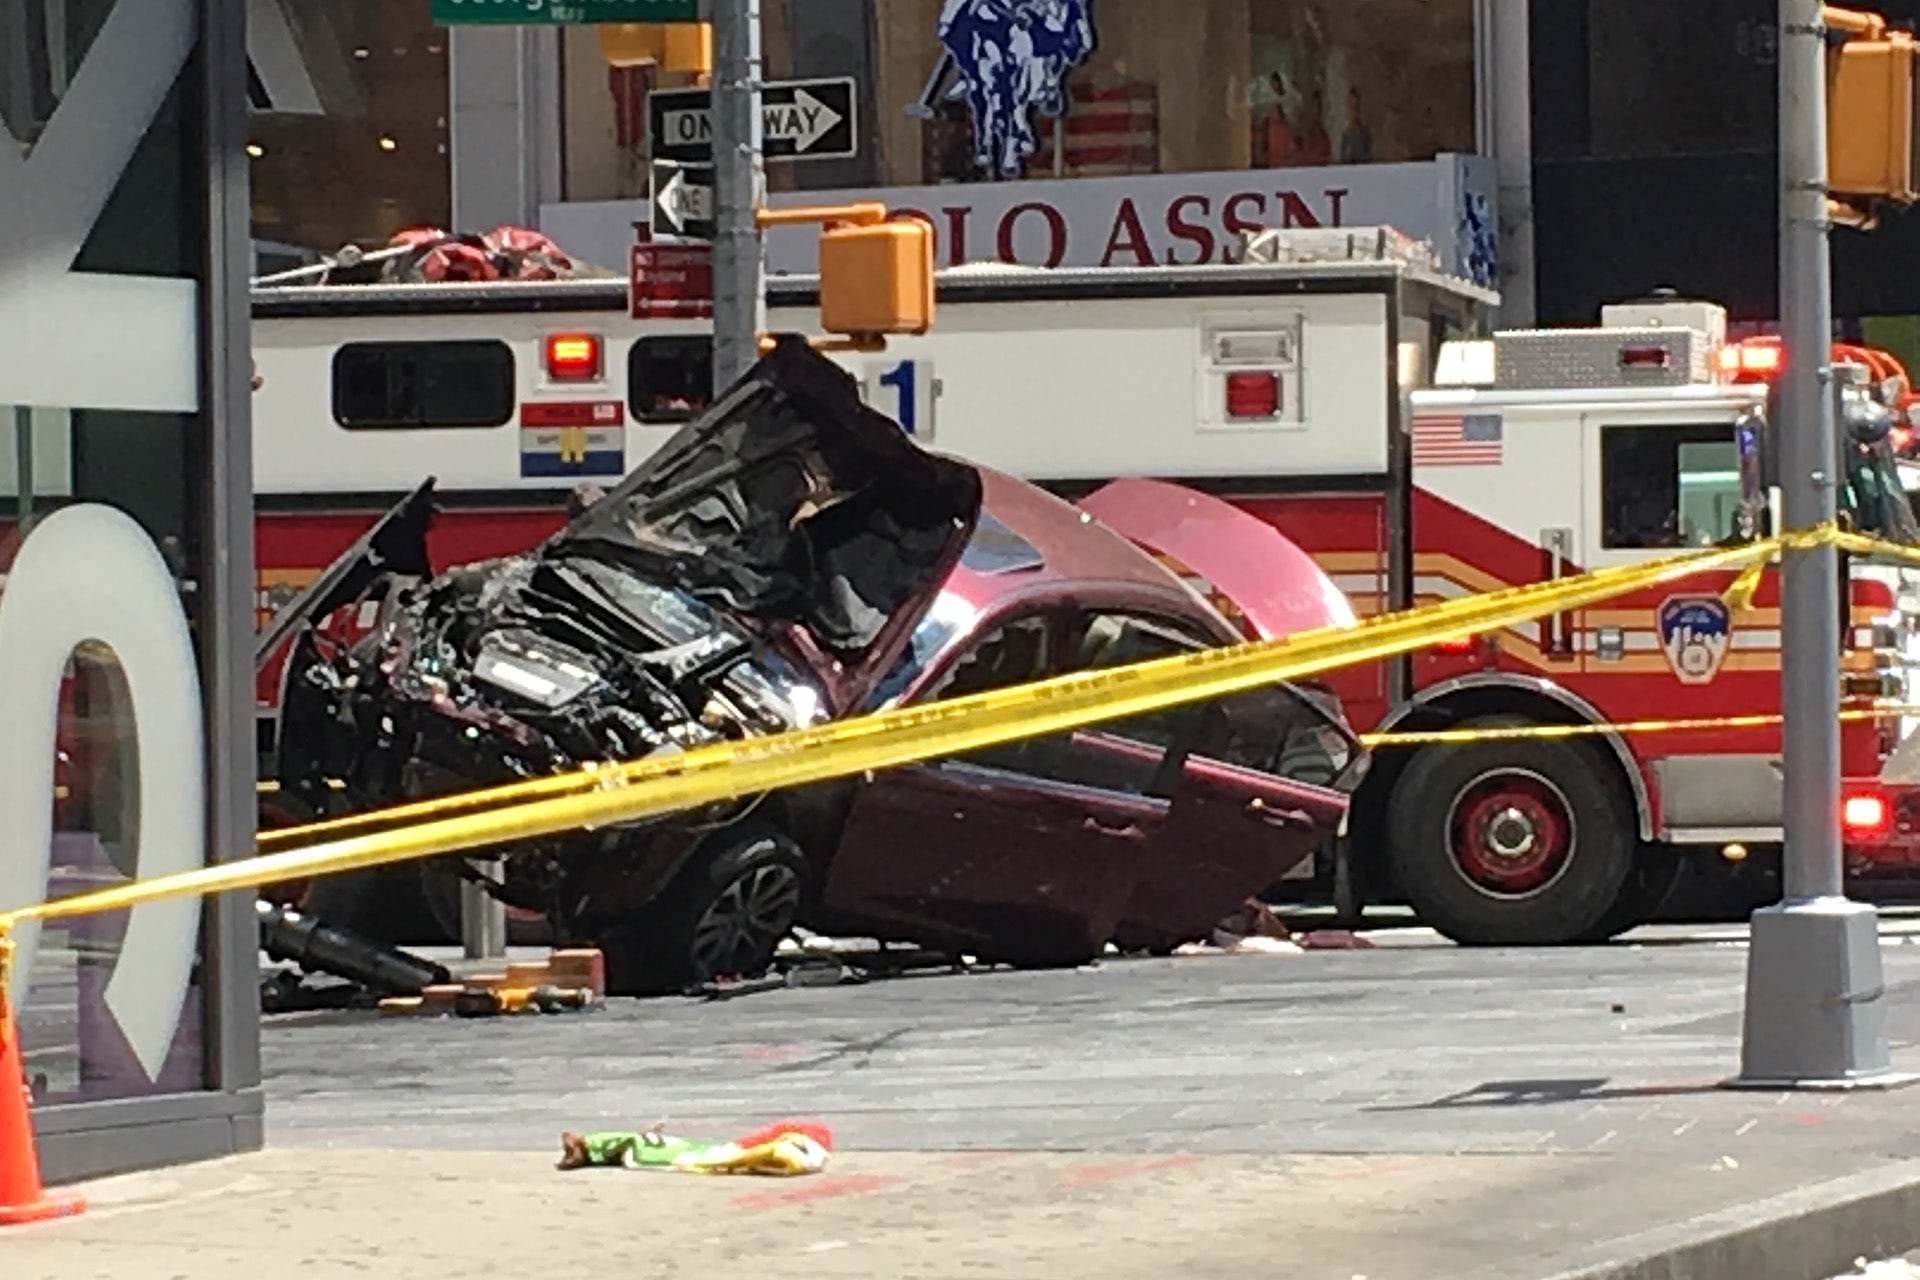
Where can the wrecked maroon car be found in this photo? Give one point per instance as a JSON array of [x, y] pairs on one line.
[[792, 557]]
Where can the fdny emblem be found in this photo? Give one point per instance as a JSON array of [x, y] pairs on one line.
[[1695, 632]]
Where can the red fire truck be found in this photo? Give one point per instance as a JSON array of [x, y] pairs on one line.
[[1334, 383]]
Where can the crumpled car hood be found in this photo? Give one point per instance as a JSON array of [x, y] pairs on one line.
[[790, 500]]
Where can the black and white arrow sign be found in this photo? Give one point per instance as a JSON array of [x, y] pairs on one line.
[[682, 200], [801, 120]]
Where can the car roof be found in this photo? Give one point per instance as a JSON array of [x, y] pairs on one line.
[[1028, 540]]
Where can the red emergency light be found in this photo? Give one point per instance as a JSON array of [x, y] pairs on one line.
[[572, 357], [1865, 814], [1253, 395], [1756, 360], [1457, 645]]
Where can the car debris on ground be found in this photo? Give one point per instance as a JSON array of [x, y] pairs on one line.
[[786, 1149], [1255, 930], [565, 981]]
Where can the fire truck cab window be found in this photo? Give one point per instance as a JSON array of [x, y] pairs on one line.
[[410, 385], [669, 379], [1671, 486]]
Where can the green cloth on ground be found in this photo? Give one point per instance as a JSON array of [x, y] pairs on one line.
[[638, 1150]]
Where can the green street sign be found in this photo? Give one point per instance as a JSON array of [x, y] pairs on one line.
[[524, 13]]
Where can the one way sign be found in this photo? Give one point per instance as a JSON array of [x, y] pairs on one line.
[[801, 120], [682, 200]]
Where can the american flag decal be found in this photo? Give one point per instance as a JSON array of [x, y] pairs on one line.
[[1457, 440]]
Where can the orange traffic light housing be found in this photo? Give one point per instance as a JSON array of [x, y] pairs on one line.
[[680, 47], [877, 279], [876, 273], [1871, 129]]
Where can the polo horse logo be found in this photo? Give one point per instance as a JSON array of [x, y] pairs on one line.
[[1008, 59]]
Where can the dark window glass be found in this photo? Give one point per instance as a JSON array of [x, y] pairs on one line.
[[401, 385], [1674, 486], [1638, 79], [670, 379]]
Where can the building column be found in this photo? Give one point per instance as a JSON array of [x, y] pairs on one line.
[[504, 122], [1504, 79]]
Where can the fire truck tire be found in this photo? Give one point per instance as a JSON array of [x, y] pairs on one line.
[[1511, 843], [1656, 872]]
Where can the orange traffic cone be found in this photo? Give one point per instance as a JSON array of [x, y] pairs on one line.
[[22, 1199]]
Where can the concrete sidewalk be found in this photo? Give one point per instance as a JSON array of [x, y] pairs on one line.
[[1036, 1216], [1402, 1112]]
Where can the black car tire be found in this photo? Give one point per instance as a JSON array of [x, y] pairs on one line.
[[724, 916], [1558, 800]]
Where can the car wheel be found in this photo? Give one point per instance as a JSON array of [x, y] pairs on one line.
[[724, 916], [1656, 871], [1511, 843]]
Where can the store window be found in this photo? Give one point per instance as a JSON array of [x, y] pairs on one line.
[[967, 92], [349, 133], [1644, 79], [1096, 90], [110, 1008]]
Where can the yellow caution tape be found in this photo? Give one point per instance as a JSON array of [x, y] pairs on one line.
[[668, 783], [1739, 594]]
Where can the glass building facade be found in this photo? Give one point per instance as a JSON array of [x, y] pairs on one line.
[[125, 564], [1204, 86], [368, 118]]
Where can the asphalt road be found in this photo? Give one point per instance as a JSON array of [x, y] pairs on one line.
[[1411, 1047]]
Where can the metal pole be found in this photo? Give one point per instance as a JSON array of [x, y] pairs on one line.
[[483, 918], [1508, 49], [739, 181], [1814, 1010], [23, 468], [1810, 585]]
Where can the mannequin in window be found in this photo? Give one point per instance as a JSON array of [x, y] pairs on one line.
[[1276, 138], [1315, 145], [1356, 140]]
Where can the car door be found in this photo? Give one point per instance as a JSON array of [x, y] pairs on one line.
[[1255, 781], [1025, 852]]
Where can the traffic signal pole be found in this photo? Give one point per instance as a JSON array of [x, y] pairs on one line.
[[1815, 1016], [739, 184]]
